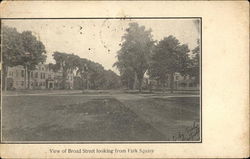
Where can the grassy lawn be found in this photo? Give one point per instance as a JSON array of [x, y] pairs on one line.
[[169, 116], [80, 117]]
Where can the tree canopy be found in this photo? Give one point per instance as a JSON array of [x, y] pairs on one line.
[[91, 73], [34, 50], [21, 49], [66, 63], [95, 76], [194, 65], [169, 57], [12, 49], [135, 52]]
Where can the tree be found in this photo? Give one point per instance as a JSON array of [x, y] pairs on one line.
[[95, 76], [135, 51], [112, 80], [12, 50], [169, 57], [127, 73], [194, 66], [21, 49], [82, 70], [66, 63], [34, 53]]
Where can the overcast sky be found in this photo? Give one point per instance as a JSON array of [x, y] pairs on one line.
[[99, 39]]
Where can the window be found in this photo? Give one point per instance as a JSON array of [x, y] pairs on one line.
[[36, 75], [16, 83], [11, 73], [22, 83], [22, 73], [31, 74], [16, 73], [42, 75]]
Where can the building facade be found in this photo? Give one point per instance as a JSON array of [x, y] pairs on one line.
[[180, 83], [41, 78]]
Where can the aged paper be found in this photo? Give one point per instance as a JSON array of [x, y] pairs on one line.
[[219, 117]]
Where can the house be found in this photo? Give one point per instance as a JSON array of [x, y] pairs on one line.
[[41, 78], [180, 83]]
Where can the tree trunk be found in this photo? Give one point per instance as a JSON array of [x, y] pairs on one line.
[[28, 71], [164, 87], [25, 78], [82, 84], [135, 80], [140, 84], [87, 82], [172, 82], [64, 79], [5, 74]]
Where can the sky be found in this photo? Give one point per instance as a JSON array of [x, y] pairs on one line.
[[98, 39]]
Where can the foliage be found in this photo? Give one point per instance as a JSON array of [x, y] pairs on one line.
[[34, 50], [135, 52], [82, 71], [194, 65], [95, 76], [66, 63], [21, 49], [169, 57], [12, 50]]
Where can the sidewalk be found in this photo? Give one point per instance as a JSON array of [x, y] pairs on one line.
[[38, 92]]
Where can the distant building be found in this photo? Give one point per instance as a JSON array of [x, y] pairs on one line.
[[180, 83], [185, 82], [41, 78]]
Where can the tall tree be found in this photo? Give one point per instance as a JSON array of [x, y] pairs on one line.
[[112, 80], [169, 57], [66, 63], [82, 71], [194, 66], [127, 73], [95, 73], [34, 53], [94, 76], [21, 49], [12, 50], [135, 51]]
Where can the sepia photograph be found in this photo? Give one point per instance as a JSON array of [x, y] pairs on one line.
[[101, 80]]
